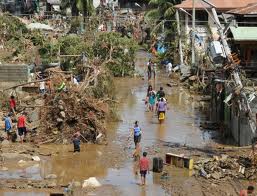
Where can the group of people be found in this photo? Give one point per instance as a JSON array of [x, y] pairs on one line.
[[152, 100], [156, 101], [141, 163], [10, 127]]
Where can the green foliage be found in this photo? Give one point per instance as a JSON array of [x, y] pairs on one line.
[[118, 52], [11, 27], [73, 45], [104, 87]]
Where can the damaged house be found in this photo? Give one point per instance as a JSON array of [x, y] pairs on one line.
[[233, 45]]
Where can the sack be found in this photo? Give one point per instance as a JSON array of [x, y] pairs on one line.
[[157, 164]]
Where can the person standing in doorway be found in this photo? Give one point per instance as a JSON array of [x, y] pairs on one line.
[[144, 167]]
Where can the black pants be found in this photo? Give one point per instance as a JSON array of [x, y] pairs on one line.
[[76, 148], [137, 139]]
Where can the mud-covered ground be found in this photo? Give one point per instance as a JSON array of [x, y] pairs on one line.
[[112, 164]]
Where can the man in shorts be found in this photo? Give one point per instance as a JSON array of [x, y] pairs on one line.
[[144, 167], [22, 127]]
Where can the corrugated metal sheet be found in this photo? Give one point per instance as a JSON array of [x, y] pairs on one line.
[[14, 73], [244, 33], [220, 4], [250, 9]]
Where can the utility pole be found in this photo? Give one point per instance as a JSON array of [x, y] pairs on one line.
[[179, 39], [193, 34]]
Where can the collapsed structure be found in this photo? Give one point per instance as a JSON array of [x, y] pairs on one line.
[[232, 95]]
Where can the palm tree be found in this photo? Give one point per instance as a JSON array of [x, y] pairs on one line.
[[163, 9]]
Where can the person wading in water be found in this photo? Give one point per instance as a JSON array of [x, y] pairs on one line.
[[136, 131]]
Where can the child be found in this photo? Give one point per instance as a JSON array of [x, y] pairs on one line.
[[136, 156], [151, 100], [76, 143], [144, 167]]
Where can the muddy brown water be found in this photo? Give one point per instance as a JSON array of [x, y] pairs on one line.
[[181, 126]]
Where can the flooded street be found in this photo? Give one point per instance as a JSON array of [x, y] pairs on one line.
[[113, 164]]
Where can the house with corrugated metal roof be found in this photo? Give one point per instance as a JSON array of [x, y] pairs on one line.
[[203, 18], [243, 38]]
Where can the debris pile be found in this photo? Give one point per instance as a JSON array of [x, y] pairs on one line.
[[70, 111], [67, 113], [224, 167]]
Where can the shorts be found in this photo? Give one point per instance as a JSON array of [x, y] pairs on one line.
[[143, 173], [22, 131], [137, 139], [160, 112]]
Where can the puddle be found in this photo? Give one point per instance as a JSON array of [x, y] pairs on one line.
[[31, 172], [181, 126], [7, 193]]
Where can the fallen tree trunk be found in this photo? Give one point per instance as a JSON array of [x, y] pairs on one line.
[[36, 81]]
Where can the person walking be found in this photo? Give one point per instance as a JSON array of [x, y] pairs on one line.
[[22, 130], [137, 132], [144, 167], [152, 98], [12, 104], [149, 69], [161, 107], [8, 125]]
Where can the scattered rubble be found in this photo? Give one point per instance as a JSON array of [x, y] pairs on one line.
[[226, 167]]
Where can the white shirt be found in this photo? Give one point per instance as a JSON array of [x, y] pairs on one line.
[[75, 81], [169, 67], [42, 85]]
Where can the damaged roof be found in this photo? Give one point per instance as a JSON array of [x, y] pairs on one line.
[[250, 9], [219, 4], [244, 33]]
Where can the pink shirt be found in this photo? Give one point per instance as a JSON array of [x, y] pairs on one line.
[[144, 164]]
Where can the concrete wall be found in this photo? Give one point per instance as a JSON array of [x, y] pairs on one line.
[[14, 73], [236, 125], [11, 75], [241, 131]]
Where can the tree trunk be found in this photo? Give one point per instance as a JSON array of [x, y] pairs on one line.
[[74, 9], [85, 9]]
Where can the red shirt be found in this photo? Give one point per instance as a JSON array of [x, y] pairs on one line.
[[12, 103], [21, 121], [144, 164]]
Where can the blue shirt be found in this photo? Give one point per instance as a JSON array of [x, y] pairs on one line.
[[7, 122], [137, 131]]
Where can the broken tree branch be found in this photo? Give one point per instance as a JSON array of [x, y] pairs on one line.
[[23, 84]]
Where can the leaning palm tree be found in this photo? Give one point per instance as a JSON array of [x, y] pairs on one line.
[[162, 10]]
